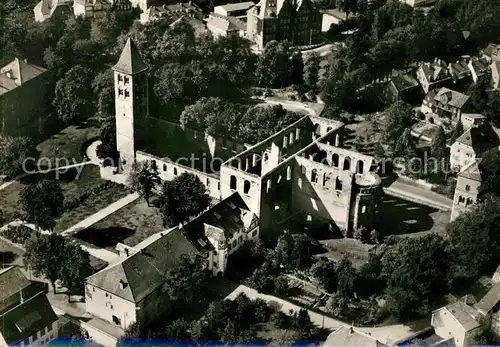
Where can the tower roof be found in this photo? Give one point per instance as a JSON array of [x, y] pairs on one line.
[[130, 61]]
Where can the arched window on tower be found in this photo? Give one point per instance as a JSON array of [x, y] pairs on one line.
[[360, 166], [288, 173], [232, 182]]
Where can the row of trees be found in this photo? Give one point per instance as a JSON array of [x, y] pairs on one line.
[[179, 199], [246, 124]]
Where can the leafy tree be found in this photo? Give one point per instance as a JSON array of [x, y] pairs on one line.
[[302, 322], [143, 178], [178, 330], [490, 174], [186, 279], [283, 253], [311, 70], [73, 97], [478, 96], [474, 239], [42, 203], [459, 130], [183, 197], [75, 268], [417, 271], [338, 305], [348, 6], [399, 118], [274, 65], [13, 154], [260, 122], [493, 109], [438, 148], [46, 256], [324, 272], [347, 277]]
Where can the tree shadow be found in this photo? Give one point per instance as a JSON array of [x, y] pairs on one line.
[[397, 216], [107, 237], [7, 257]]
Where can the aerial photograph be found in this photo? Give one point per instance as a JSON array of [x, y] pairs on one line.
[[320, 173]]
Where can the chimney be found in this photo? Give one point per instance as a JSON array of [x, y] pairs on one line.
[[351, 330]]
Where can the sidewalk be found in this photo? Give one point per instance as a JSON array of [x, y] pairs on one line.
[[87, 222]]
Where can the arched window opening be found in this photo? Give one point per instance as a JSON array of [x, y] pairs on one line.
[[246, 187], [175, 171], [268, 186], [326, 178], [291, 138], [165, 167], [232, 182], [337, 140], [360, 167], [347, 163], [335, 160], [317, 130], [288, 173]]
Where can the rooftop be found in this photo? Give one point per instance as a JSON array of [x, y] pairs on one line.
[[225, 23], [464, 314], [348, 336], [404, 82], [471, 171], [130, 61], [12, 281], [490, 300], [335, 13], [141, 273], [16, 73], [481, 138], [27, 318], [449, 97], [240, 6]]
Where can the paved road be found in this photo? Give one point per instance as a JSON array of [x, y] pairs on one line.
[[404, 190], [389, 335], [293, 106]]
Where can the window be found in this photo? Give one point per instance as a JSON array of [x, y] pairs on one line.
[[314, 176], [218, 185], [461, 199], [127, 93], [246, 187], [363, 209], [33, 338], [120, 91], [175, 171], [208, 182], [232, 182], [116, 320], [165, 167], [254, 233], [467, 187], [106, 295], [111, 306], [93, 289], [120, 78], [127, 80]]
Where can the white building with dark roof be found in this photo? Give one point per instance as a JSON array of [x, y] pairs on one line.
[[220, 25], [26, 316], [237, 10], [444, 103]]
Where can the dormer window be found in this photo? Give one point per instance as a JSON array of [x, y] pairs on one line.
[[123, 284]]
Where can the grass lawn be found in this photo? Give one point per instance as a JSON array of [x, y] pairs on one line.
[[129, 225], [67, 143], [73, 185]]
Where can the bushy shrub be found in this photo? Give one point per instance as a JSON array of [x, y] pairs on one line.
[[18, 234]]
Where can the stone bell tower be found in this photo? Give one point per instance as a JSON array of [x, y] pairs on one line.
[[131, 101]]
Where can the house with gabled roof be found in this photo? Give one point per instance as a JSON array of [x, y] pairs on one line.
[[444, 103], [467, 189], [403, 87], [473, 144], [433, 75], [26, 316], [130, 290], [491, 52], [479, 68], [23, 97], [220, 25]]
